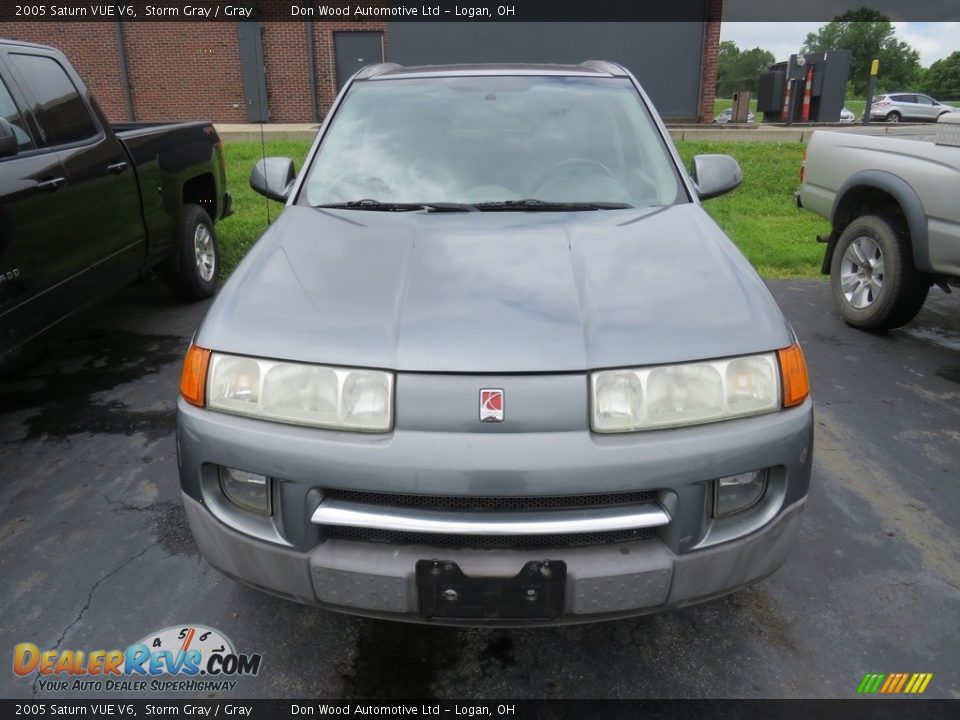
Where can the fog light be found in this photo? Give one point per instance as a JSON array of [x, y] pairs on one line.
[[736, 493], [248, 490]]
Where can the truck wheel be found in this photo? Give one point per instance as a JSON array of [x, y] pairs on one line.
[[874, 282], [893, 117], [194, 275]]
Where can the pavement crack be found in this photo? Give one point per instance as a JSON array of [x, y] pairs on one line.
[[120, 506], [168, 520], [86, 606]]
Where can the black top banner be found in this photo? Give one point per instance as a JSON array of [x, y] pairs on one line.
[[886, 709], [468, 10]]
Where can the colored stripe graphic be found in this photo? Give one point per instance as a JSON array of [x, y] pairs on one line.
[[890, 682], [894, 683], [870, 683], [901, 681]]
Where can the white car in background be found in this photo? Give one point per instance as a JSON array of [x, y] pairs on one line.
[[846, 116], [894, 107]]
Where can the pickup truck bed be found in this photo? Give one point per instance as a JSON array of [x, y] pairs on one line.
[[895, 220], [176, 157], [86, 206]]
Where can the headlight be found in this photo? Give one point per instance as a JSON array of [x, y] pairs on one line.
[[690, 394], [736, 493], [248, 490], [315, 395]]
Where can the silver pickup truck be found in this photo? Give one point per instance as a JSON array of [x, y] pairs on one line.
[[892, 202]]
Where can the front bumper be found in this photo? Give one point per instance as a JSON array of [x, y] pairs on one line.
[[603, 583], [691, 558]]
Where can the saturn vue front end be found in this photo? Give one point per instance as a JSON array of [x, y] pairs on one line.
[[494, 364]]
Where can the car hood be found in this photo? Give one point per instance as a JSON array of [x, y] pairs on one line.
[[494, 292]]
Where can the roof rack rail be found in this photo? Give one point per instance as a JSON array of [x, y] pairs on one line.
[[604, 66], [373, 70]]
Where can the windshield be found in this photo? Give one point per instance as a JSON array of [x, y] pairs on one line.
[[493, 139]]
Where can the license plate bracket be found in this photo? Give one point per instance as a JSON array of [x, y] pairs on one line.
[[536, 592]]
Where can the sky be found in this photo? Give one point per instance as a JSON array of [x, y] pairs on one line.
[[934, 40]]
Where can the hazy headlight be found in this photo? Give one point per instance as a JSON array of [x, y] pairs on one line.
[[739, 492], [688, 394], [684, 394], [300, 394], [618, 401], [237, 383], [366, 398], [752, 384], [248, 490]]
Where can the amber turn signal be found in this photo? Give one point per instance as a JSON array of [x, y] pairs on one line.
[[193, 379], [793, 370]]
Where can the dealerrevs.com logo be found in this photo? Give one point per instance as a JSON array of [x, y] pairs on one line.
[[187, 658]]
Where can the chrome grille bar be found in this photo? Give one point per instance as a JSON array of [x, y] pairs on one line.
[[349, 514]]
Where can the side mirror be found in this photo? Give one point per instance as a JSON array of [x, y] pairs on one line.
[[273, 177], [715, 175], [8, 139]]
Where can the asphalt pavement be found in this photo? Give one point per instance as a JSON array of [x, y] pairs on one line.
[[95, 552]]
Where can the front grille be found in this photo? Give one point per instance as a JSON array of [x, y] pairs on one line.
[[494, 504], [488, 542]]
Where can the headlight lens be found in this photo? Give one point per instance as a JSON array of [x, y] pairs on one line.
[[738, 492], [318, 396], [248, 490], [689, 394]]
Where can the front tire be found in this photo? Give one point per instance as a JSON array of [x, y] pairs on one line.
[[197, 262], [874, 282]]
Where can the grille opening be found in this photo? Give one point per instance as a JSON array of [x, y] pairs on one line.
[[494, 504], [488, 542]]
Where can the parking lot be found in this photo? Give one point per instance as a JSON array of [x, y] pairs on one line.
[[95, 552]]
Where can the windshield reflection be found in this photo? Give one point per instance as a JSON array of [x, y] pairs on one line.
[[496, 139]]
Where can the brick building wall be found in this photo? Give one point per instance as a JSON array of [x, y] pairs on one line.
[[287, 68], [91, 47], [710, 55], [178, 73]]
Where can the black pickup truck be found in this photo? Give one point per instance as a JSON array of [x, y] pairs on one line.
[[86, 207]]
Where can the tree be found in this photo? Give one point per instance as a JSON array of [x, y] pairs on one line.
[[739, 70], [942, 79], [868, 35]]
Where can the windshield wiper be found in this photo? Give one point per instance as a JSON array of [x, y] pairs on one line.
[[533, 204], [370, 204]]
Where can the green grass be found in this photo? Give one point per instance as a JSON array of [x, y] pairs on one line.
[[759, 217], [238, 232]]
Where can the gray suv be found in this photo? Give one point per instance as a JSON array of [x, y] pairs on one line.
[[493, 363], [895, 107]]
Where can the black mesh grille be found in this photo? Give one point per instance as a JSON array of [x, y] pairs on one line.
[[488, 542], [494, 504]]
